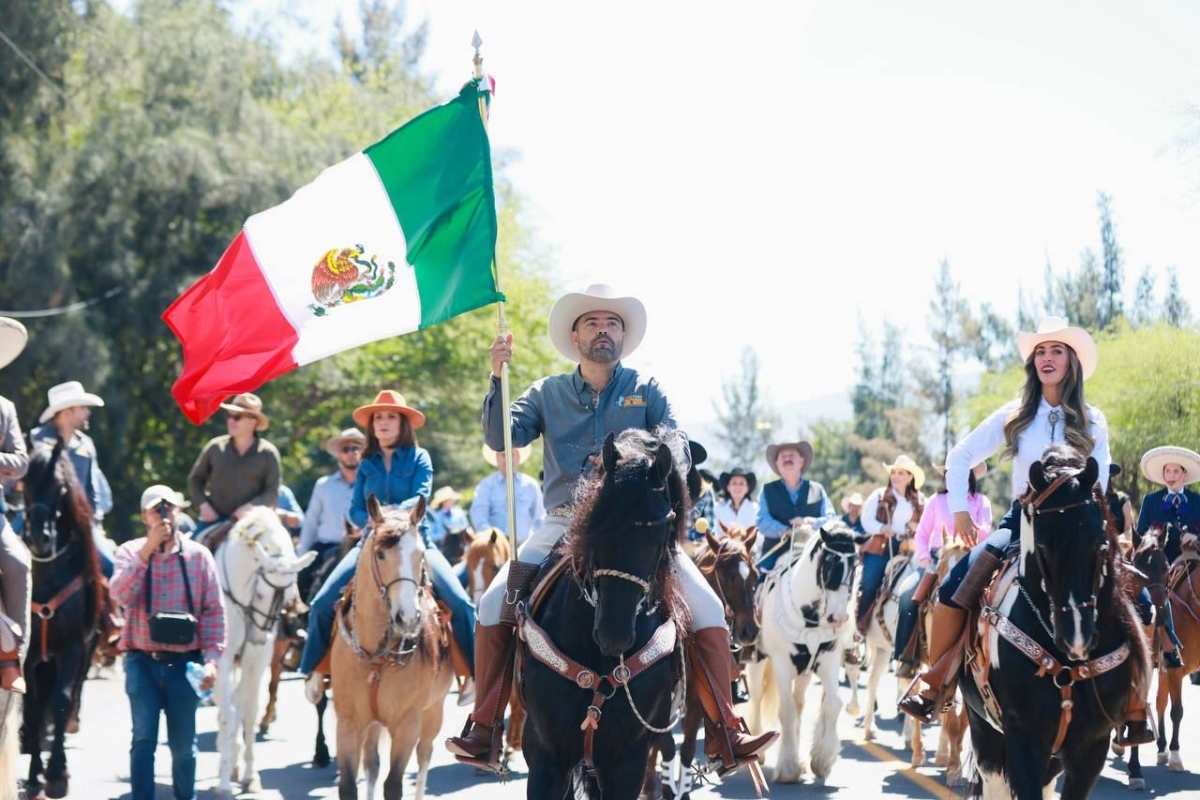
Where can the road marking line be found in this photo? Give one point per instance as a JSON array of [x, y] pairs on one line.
[[927, 783]]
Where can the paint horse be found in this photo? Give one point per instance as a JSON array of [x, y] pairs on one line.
[[1056, 648], [804, 605], [256, 566], [391, 657]]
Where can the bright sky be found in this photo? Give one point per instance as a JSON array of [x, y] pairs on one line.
[[762, 173]]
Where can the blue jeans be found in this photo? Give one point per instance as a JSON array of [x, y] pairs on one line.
[[906, 623], [446, 587], [767, 562], [154, 687], [873, 567]]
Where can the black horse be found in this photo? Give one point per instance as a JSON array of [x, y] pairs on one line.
[[616, 610], [67, 597], [1070, 609]]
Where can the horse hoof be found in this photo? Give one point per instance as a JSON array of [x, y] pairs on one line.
[[56, 789], [1137, 784], [918, 760], [252, 786], [321, 759], [853, 709], [1162, 758], [941, 759], [1175, 766], [1118, 750]]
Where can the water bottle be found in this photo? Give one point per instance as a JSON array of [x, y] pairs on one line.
[[195, 676]]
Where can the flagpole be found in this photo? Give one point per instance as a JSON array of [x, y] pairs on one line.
[[501, 329]]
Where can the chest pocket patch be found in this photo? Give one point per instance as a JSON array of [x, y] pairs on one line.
[[631, 401]]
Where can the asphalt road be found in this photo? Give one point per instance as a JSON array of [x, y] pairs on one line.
[[99, 762]]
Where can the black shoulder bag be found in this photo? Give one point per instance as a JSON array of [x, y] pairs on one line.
[[172, 627]]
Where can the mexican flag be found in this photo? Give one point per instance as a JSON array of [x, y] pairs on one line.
[[394, 239]]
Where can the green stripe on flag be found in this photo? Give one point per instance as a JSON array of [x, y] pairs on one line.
[[437, 172]]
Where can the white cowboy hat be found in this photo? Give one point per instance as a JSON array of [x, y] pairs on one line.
[[492, 456], [1157, 458], [855, 499], [1056, 329], [443, 495], [13, 337], [67, 395], [333, 444], [906, 463], [597, 297], [247, 403]]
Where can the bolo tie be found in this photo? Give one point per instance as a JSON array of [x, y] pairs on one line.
[[1055, 416]]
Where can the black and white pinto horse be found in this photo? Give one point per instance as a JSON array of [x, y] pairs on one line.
[[805, 605], [600, 665], [1057, 644]]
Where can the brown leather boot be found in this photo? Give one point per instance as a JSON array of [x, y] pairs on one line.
[[726, 737], [479, 743], [944, 658], [1136, 730]]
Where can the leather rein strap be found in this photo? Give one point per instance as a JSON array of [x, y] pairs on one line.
[[660, 645], [1048, 665], [46, 611]]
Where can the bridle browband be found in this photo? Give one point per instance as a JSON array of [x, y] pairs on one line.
[[587, 581]]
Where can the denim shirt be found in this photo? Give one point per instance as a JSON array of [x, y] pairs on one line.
[[411, 475], [574, 419]]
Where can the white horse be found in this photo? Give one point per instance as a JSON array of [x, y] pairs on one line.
[[257, 567], [804, 604]]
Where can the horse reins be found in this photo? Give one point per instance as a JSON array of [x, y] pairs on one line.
[[270, 617]]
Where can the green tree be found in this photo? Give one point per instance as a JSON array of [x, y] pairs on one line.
[[747, 418], [1111, 306], [1176, 310], [952, 332], [1144, 311]]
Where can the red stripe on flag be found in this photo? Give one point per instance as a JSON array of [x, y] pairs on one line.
[[234, 336]]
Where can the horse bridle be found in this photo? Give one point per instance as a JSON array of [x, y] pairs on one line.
[[270, 617], [406, 644], [1032, 507], [587, 583], [723, 554], [53, 513]]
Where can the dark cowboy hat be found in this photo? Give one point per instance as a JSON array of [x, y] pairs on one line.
[[699, 454], [1114, 469], [749, 476]]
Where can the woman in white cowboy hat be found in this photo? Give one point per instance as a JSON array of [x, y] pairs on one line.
[[397, 470], [573, 412], [1050, 409], [14, 556], [890, 516], [936, 526], [1175, 511]]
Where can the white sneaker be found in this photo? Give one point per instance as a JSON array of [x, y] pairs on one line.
[[467, 696], [314, 687]]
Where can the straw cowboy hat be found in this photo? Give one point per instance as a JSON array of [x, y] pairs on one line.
[[333, 445], [388, 400], [1157, 458], [67, 395], [855, 499], [492, 457], [906, 463], [1056, 329], [726, 477], [13, 338], [803, 448], [443, 495], [247, 403], [597, 297]]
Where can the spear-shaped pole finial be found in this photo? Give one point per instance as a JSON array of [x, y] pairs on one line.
[[477, 42]]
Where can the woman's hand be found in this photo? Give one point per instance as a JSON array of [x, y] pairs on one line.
[[887, 531], [500, 353], [924, 563], [964, 528]]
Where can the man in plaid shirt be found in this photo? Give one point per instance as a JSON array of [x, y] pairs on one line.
[[155, 673]]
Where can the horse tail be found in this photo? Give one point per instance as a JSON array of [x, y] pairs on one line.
[[769, 702], [10, 725]]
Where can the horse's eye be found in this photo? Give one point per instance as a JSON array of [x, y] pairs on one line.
[[379, 555]]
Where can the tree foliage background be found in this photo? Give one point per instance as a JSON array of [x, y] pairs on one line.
[[130, 168]]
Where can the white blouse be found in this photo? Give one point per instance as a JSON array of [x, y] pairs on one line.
[[900, 518], [745, 516], [1045, 429]]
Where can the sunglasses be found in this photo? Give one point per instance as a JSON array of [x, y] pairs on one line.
[[352, 448]]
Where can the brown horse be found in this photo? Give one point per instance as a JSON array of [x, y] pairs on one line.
[[391, 659], [488, 551], [728, 566]]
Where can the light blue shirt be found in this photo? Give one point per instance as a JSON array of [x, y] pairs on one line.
[[328, 508], [489, 507]]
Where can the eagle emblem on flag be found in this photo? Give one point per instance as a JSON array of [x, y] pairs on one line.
[[344, 276]]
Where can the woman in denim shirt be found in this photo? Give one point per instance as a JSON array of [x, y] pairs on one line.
[[397, 471]]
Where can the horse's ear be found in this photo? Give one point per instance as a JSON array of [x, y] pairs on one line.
[[1090, 474], [1037, 476], [713, 544], [824, 534], [373, 509], [418, 510], [492, 538], [662, 462], [609, 454], [750, 535], [693, 484], [724, 528]]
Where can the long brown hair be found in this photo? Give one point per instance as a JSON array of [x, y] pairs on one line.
[[407, 437], [1075, 418]]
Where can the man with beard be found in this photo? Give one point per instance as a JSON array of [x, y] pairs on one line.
[[574, 412]]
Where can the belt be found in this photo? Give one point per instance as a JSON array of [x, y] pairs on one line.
[[169, 655], [561, 511]]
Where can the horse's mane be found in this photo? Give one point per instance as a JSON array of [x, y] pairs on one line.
[[636, 450], [261, 525], [78, 512]]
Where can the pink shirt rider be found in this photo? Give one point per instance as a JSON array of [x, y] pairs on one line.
[[937, 517]]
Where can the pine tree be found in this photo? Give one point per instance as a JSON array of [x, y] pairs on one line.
[[1112, 276], [1176, 310], [747, 420], [1144, 311]]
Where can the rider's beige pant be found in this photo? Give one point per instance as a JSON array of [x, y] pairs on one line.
[[706, 608], [14, 581]]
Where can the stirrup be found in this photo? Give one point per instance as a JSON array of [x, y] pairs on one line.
[[494, 761]]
